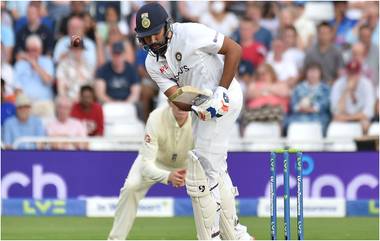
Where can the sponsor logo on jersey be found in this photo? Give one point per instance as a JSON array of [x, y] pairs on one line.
[[182, 69], [164, 68], [147, 138]]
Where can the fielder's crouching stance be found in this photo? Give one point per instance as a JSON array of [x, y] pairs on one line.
[[163, 158], [189, 54]]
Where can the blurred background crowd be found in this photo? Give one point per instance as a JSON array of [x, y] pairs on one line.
[[302, 61]]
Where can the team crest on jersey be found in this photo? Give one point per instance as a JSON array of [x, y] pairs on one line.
[[178, 56], [145, 22]]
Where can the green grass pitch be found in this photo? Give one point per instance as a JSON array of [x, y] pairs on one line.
[[179, 228]]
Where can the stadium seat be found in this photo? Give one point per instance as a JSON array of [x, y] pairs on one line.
[[342, 135], [262, 136], [124, 130], [374, 129], [319, 11], [101, 146], [120, 120], [110, 144], [262, 130], [306, 136], [119, 113]]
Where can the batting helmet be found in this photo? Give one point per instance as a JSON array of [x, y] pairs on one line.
[[150, 19]]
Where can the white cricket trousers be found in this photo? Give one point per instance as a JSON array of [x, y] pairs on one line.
[[134, 189], [212, 137]]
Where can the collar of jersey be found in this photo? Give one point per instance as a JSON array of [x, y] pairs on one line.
[[172, 117]]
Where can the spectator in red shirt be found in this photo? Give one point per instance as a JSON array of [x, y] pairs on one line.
[[89, 111], [252, 51]]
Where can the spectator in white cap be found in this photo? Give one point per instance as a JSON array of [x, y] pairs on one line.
[[22, 125]]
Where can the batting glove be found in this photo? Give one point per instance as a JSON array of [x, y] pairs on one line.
[[215, 107]]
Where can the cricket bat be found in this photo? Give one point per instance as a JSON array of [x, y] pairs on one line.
[[190, 95]]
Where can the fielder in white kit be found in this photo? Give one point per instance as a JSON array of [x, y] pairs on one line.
[[190, 54], [162, 158]]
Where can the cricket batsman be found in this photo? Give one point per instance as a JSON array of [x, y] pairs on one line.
[[162, 158], [191, 54]]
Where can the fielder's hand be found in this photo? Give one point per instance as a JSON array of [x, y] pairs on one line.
[[177, 177], [215, 107]]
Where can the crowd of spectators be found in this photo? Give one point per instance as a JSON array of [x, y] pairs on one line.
[[301, 61]]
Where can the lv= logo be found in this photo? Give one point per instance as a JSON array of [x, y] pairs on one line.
[[37, 207]]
